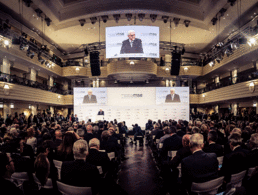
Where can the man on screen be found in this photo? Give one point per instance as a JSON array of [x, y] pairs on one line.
[[89, 98], [132, 44], [101, 112], [172, 97]]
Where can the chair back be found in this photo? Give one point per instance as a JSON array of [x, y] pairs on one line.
[[20, 177], [220, 159], [73, 190], [58, 165], [48, 185], [236, 179], [250, 171], [207, 188], [111, 155]]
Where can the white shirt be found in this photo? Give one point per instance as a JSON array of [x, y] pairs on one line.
[[172, 96], [131, 43]]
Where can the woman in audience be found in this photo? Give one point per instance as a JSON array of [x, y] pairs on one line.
[[32, 141], [65, 150]]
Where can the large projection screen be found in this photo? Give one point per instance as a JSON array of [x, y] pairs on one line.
[[132, 104], [132, 41]]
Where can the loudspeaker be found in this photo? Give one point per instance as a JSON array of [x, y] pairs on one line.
[[94, 63], [175, 64]]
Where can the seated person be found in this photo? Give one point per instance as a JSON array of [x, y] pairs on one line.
[[252, 156], [213, 147], [138, 132], [200, 166], [79, 172], [106, 145], [98, 158], [6, 171]]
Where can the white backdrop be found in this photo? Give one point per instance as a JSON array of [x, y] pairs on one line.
[[132, 104]]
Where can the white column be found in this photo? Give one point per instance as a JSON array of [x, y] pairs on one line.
[[34, 109], [234, 76], [5, 68], [216, 108], [50, 81], [33, 75], [234, 109], [6, 110], [51, 110]]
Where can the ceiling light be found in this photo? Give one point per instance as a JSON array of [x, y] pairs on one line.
[[185, 69], [104, 18], [12, 106], [251, 84], [254, 104], [128, 17], [93, 20], [116, 17], [251, 42], [153, 17], [176, 21], [141, 16], [1, 105], [6, 42], [132, 63], [165, 19], [187, 22], [203, 95], [214, 21], [82, 22], [6, 86], [211, 63]]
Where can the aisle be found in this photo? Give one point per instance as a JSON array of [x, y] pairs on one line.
[[138, 173]]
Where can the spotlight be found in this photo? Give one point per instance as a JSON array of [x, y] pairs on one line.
[[229, 51], [222, 12], [27, 2], [104, 18], [82, 22], [23, 46], [176, 21], [116, 17], [38, 12], [251, 42], [47, 64], [153, 17], [141, 16], [93, 20], [234, 45], [214, 21], [187, 22], [132, 63], [165, 19], [6, 42], [232, 2], [48, 21], [219, 58], [129, 17], [40, 59]]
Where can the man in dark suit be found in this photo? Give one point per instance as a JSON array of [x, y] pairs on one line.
[[98, 158], [172, 97], [236, 161], [89, 98], [132, 44], [252, 156], [174, 142], [213, 147], [79, 172], [200, 166], [101, 112]]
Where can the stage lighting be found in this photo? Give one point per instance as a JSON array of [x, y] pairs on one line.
[[38, 12], [214, 21], [222, 12], [187, 22], [251, 42], [48, 21], [212, 63], [30, 53], [93, 20], [232, 2], [128, 17], [104, 18], [27, 2], [116, 17], [82, 22], [176, 21], [153, 17], [141, 16], [6, 43], [165, 19], [229, 51]]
